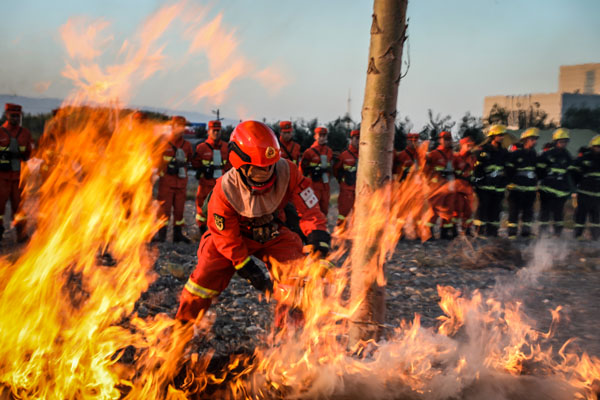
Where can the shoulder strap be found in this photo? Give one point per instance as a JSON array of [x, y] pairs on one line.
[[7, 132], [287, 151], [352, 154], [443, 155], [209, 146], [316, 151]]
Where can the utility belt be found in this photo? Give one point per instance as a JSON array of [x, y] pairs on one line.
[[262, 229], [350, 177], [10, 161], [173, 167], [208, 171], [494, 174], [526, 174]]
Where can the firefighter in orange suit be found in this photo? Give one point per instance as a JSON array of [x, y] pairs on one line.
[[173, 178], [345, 172], [316, 164], [440, 169], [290, 150], [408, 157], [464, 194], [245, 211], [15, 147], [210, 161]]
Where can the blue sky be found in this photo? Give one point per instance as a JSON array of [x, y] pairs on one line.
[[460, 51]]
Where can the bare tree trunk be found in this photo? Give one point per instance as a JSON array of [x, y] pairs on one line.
[[388, 33]]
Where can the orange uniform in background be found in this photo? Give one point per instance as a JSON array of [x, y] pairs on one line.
[[173, 178], [290, 150], [345, 172], [15, 147], [465, 196], [440, 169], [316, 164], [406, 158], [210, 161]]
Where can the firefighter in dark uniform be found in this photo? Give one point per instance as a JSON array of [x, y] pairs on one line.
[[490, 181], [522, 187], [586, 173], [555, 181]]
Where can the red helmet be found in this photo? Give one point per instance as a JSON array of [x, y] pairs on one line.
[[445, 135], [285, 126], [253, 143], [466, 139], [354, 132], [178, 120], [11, 108], [320, 130], [216, 124], [412, 136]]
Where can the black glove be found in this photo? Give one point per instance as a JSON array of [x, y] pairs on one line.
[[256, 276], [319, 240]]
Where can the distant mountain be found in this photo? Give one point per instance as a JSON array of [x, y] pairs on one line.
[[32, 105]]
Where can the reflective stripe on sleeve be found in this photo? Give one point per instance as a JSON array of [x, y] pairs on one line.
[[243, 263], [200, 291]]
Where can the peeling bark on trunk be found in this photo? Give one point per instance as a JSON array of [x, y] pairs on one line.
[[388, 33]]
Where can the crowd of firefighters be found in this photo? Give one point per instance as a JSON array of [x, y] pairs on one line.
[[260, 197], [482, 174], [456, 180]]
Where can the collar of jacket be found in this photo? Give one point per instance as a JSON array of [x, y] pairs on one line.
[[251, 205]]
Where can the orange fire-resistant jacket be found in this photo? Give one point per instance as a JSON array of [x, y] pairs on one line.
[[290, 151], [25, 144], [233, 204], [169, 155]]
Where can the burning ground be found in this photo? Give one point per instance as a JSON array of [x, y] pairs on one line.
[[535, 278]]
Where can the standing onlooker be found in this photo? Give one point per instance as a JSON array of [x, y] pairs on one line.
[[586, 173], [173, 178], [15, 147], [439, 166], [316, 164], [555, 181], [290, 150], [464, 161], [522, 187], [490, 181], [210, 162], [345, 172]]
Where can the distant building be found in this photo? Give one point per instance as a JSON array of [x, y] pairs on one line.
[[578, 87]]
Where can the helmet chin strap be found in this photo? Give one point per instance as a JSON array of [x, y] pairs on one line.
[[259, 187]]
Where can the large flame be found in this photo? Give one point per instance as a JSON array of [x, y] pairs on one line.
[[69, 329]]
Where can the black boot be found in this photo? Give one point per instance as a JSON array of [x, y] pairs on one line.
[[161, 236], [446, 234], [178, 235]]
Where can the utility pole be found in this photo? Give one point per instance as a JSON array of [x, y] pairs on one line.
[[216, 112], [388, 34]]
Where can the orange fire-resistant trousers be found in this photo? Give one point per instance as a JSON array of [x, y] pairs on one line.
[[464, 199], [322, 192], [345, 201], [213, 271], [9, 190], [171, 195]]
